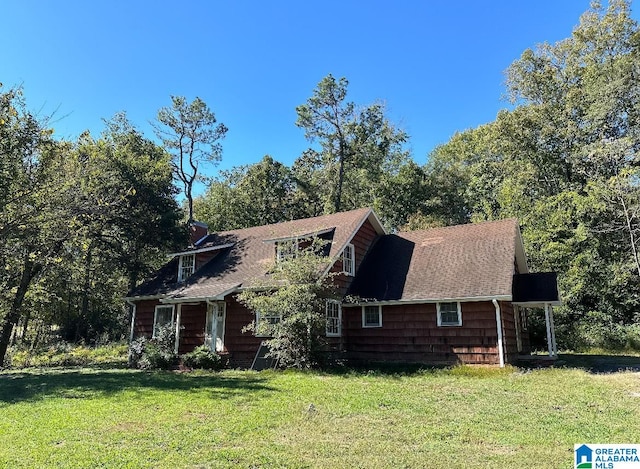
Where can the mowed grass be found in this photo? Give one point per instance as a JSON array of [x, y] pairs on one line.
[[454, 418]]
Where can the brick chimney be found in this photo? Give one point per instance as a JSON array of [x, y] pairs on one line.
[[197, 231]]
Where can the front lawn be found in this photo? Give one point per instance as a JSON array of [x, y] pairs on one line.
[[462, 417]]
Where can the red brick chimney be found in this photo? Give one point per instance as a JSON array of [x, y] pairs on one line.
[[197, 231]]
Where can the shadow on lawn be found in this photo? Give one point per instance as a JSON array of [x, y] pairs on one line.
[[33, 385], [592, 363]]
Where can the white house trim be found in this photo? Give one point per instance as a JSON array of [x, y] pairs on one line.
[[377, 225], [429, 300], [298, 237], [198, 251]]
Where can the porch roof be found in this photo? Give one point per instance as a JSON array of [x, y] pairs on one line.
[[201, 291], [536, 289]]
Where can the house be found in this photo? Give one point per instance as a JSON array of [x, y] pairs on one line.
[[443, 295]]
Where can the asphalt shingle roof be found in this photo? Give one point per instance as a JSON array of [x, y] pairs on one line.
[[464, 261], [250, 257]]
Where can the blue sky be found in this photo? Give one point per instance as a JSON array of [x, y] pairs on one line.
[[437, 64]]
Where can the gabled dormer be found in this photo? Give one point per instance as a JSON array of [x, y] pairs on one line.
[[186, 266], [191, 260], [288, 247]]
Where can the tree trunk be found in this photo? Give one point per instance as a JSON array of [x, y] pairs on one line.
[[36, 338], [632, 238], [28, 274], [338, 201], [190, 201], [133, 277], [25, 325], [84, 309]]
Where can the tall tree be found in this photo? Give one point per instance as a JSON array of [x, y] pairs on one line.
[[357, 146], [249, 195], [135, 219], [191, 133], [148, 224], [38, 206], [565, 161]]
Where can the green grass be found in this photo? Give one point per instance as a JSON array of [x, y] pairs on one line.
[[461, 417]]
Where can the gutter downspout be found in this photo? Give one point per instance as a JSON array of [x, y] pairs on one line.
[[133, 319], [178, 319], [210, 302], [499, 325]]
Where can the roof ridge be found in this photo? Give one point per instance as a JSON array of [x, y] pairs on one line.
[[328, 215], [462, 225]]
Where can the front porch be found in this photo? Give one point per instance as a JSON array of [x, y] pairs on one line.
[[540, 291]]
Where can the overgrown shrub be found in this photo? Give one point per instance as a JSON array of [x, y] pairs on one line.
[[64, 354], [203, 358], [154, 354], [292, 307], [136, 350], [609, 336]]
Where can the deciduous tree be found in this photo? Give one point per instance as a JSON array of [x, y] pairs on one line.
[[291, 308], [191, 132]]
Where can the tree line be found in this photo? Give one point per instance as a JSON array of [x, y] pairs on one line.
[[82, 222]]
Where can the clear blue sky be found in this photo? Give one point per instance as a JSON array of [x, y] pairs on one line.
[[438, 64]]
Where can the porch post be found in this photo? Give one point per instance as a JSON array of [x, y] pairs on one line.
[[516, 320], [553, 332], [499, 325], [548, 323], [133, 320], [178, 317]]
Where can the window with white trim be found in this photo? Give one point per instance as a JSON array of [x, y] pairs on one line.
[[265, 323], [349, 260], [372, 316], [286, 250], [162, 316], [186, 266], [449, 314], [334, 318]]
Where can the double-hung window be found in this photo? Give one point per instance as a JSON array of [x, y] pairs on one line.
[[186, 266], [162, 317], [349, 260], [449, 314], [265, 323], [372, 316], [334, 318], [286, 250]]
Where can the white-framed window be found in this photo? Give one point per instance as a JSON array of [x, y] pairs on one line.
[[265, 323], [372, 316], [286, 250], [449, 314], [523, 318], [162, 316], [186, 266], [349, 260], [334, 318]]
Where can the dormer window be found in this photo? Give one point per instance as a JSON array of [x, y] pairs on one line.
[[349, 260], [186, 266], [286, 250]]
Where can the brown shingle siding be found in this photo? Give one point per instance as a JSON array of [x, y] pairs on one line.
[[410, 333]]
